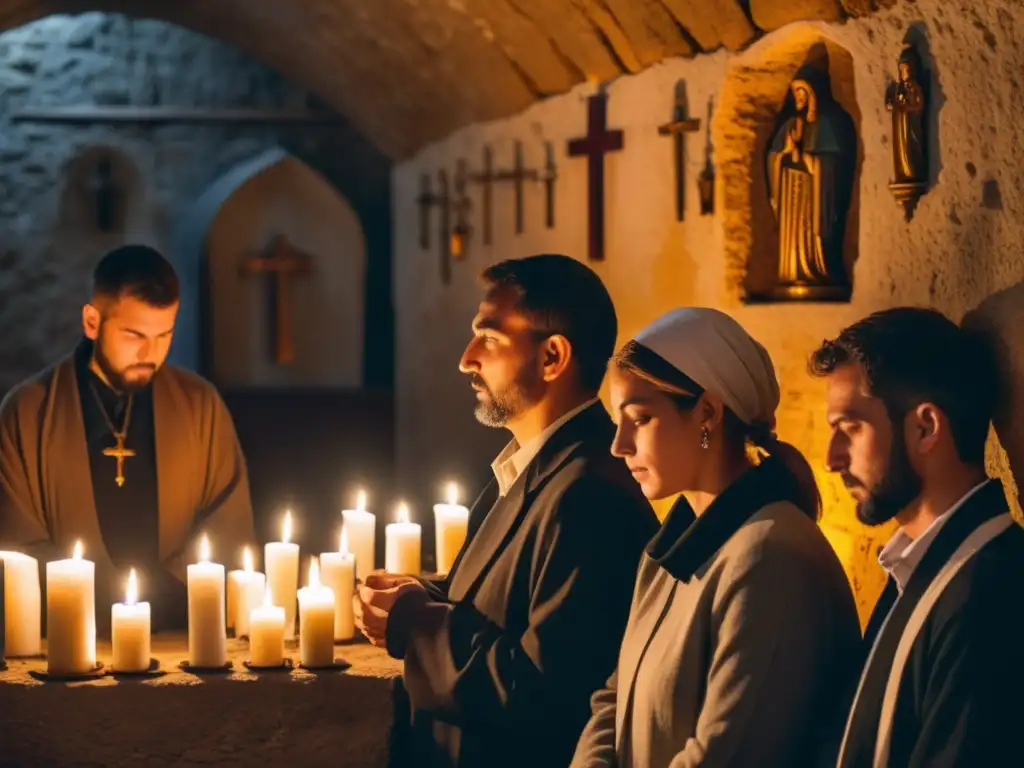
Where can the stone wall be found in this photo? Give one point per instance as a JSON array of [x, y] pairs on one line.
[[48, 237], [962, 245]]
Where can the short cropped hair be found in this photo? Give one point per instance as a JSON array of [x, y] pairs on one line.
[[137, 271], [563, 296], [910, 356]]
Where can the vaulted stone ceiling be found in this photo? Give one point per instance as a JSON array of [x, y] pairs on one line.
[[407, 72]]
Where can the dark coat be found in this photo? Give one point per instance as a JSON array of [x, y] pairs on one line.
[[501, 661]]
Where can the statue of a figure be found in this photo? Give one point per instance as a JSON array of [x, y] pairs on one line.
[[906, 101], [810, 174]]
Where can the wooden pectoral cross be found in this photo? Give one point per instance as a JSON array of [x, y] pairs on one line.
[[598, 142], [681, 124], [283, 261], [120, 453]]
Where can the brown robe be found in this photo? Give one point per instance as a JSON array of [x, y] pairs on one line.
[[46, 494]]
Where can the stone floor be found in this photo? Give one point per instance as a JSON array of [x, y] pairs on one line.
[[337, 718]]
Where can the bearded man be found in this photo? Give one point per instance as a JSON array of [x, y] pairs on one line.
[[910, 398], [502, 656], [112, 447]]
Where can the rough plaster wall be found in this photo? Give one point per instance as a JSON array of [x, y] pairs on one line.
[[961, 247]]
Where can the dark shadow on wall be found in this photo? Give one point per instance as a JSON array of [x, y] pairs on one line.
[[1000, 320]]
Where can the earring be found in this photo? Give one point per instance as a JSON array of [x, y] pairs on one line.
[[704, 438]]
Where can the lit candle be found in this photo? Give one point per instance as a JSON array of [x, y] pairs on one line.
[[71, 615], [247, 586], [450, 523], [207, 626], [362, 531], [339, 573], [281, 560], [266, 634], [316, 620], [130, 630], [22, 604], [403, 544]]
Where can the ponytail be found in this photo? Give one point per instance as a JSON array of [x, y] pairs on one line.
[[808, 497]]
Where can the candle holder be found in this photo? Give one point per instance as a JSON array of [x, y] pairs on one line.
[[287, 666], [95, 673], [153, 670], [186, 667], [338, 666]]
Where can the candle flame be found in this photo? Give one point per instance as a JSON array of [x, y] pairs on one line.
[[247, 560], [77, 554], [343, 544], [268, 600], [204, 549], [131, 594], [286, 528], [314, 572], [453, 494], [402, 515], [361, 501]]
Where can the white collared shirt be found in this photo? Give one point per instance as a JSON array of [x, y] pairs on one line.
[[902, 554], [513, 459]]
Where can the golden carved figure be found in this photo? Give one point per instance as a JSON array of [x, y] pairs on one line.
[[906, 101], [809, 163]]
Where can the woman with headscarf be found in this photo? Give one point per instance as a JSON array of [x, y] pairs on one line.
[[743, 636]]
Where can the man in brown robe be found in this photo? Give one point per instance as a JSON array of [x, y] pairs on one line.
[[112, 447]]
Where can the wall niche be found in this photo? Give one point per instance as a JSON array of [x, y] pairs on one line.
[[757, 108]]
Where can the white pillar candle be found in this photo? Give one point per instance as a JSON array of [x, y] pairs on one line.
[[71, 615], [248, 587], [451, 521], [281, 561], [22, 605], [266, 634], [130, 631], [207, 625], [402, 540], [337, 571], [362, 531], [316, 621]]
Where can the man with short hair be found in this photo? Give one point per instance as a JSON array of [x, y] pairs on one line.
[[910, 398], [502, 656], [112, 447]]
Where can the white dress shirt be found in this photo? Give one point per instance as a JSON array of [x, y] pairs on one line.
[[902, 554], [513, 459]]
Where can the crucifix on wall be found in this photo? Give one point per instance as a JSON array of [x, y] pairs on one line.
[[442, 199], [681, 124], [282, 261], [598, 142]]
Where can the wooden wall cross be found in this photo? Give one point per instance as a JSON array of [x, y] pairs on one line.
[[548, 179], [485, 178], [598, 142], [461, 205], [518, 174], [681, 124], [282, 261], [427, 200], [706, 182]]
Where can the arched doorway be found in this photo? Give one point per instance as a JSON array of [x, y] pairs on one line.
[[310, 432]]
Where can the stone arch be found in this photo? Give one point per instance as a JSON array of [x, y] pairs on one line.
[[755, 90], [235, 217]]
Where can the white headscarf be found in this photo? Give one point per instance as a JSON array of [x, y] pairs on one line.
[[716, 352]]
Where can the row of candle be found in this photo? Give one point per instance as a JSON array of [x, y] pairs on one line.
[[253, 600]]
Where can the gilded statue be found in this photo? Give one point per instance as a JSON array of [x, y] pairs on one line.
[[906, 101], [810, 164]]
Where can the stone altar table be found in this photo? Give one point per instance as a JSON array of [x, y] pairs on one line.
[[295, 718]]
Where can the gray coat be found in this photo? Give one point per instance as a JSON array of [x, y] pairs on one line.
[[741, 644]]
